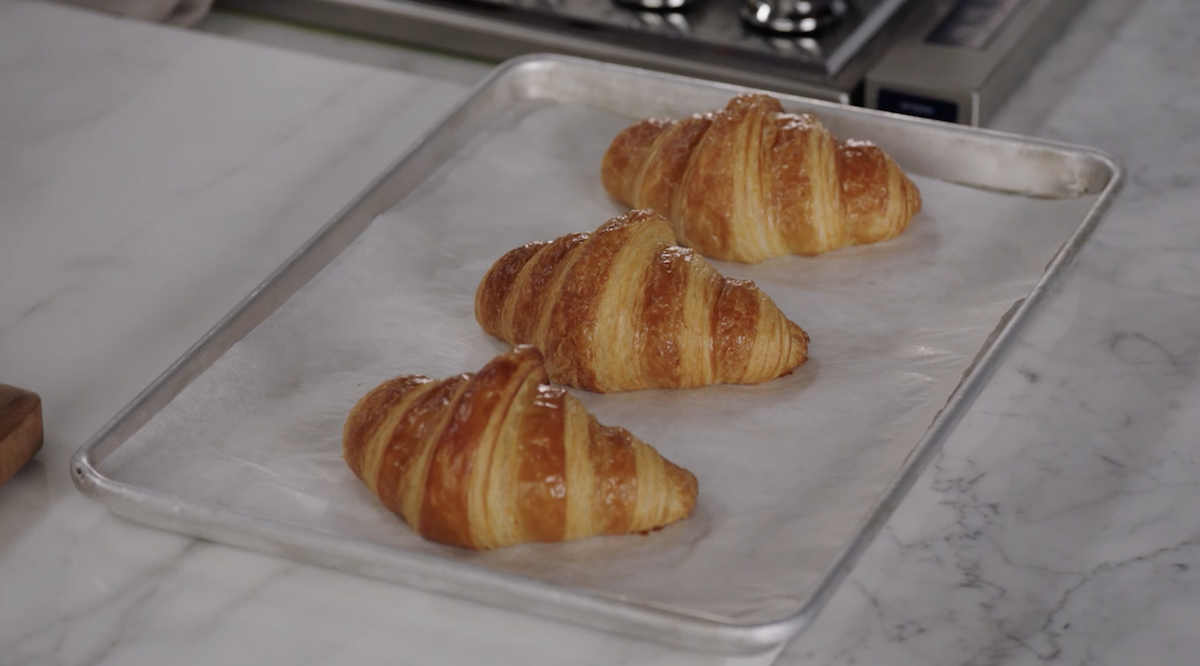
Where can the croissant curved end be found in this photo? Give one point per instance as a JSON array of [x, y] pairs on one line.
[[369, 414], [627, 154]]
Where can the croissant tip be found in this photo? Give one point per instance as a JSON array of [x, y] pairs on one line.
[[687, 489]]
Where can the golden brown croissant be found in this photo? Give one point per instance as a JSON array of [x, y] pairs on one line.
[[751, 182], [625, 308], [501, 457]]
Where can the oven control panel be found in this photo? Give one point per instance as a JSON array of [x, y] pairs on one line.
[[958, 60]]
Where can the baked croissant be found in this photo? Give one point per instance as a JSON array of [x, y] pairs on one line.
[[751, 182], [625, 308], [501, 457]]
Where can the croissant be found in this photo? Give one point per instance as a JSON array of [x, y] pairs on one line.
[[501, 457], [751, 182], [625, 308]]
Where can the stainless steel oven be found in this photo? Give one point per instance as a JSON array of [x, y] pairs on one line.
[[951, 60]]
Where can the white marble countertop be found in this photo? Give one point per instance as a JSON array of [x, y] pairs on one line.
[[150, 177]]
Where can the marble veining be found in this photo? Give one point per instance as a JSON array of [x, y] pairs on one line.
[[149, 179], [1059, 524]]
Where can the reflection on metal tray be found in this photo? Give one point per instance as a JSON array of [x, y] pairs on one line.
[[796, 475]]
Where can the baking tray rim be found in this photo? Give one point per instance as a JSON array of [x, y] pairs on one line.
[[610, 612]]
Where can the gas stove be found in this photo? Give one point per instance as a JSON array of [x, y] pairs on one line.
[[950, 60]]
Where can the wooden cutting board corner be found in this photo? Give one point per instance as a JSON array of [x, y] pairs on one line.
[[21, 432]]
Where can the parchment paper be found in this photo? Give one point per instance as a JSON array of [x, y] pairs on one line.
[[787, 469]]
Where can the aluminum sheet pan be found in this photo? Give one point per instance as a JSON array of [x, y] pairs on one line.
[[239, 441]]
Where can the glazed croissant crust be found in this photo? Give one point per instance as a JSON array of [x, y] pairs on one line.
[[751, 182], [625, 308], [501, 457]]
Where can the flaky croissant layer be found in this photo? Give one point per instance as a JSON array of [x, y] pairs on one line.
[[751, 182], [500, 457], [625, 308]]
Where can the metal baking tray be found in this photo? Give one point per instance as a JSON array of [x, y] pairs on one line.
[[239, 440]]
